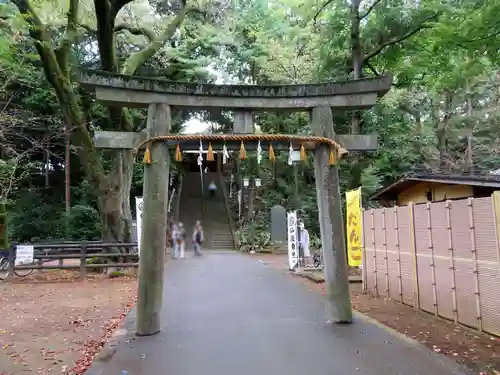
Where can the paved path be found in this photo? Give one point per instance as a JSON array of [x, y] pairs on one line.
[[228, 314]]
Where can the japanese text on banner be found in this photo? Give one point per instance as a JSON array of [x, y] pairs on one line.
[[354, 251]]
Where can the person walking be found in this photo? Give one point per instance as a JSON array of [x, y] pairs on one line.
[[175, 245], [197, 238], [304, 244], [181, 240], [212, 188]]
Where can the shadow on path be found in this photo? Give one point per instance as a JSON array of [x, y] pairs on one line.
[[228, 314]]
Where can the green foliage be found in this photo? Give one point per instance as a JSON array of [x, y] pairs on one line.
[[444, 59], [83, 223], [37, 216], [443, 56], [96, 260], [253, 236]]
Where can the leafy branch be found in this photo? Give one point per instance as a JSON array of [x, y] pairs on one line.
[[380, 48]]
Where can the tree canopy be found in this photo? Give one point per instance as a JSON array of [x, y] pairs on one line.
[[442, 113]]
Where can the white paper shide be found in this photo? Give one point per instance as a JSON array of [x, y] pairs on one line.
[[24, 254], [139, 206]]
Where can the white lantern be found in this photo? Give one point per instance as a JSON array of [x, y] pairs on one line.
[[295, 156], [246, 181], [258, 182]]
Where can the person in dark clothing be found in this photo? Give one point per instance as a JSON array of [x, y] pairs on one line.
[[197, 238], [212, 188]]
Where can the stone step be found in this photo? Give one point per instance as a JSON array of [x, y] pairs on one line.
[[225, 245], [225, 240]]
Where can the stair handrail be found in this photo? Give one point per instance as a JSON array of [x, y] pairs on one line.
[[202, 187], [228, 210], [170, 200]]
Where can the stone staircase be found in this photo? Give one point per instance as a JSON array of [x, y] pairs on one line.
[[191, 203], [214, 217]]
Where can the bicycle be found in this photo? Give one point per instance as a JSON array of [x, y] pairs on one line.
[[318, 259], [5, 267]]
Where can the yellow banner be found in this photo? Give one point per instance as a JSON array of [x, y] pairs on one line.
[[353, 214]]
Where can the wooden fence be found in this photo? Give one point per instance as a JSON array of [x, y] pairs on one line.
[[442, 257], [44, 253]]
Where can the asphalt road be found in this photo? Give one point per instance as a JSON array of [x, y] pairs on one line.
[[228, 314]]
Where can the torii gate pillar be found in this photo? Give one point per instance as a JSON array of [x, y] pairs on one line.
[[338, 303], [154, 225]]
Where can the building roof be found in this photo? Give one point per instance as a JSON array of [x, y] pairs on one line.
[[391, 191]]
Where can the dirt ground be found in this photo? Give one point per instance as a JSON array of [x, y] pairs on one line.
[[52, 323], [478, 351]]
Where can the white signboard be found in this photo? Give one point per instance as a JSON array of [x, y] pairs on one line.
[[138, 212], [293, 245], [24, 254]]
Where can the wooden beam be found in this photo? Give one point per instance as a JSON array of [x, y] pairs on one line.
[[122, 140]]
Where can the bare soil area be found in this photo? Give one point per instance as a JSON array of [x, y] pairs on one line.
[[478, 351], [53, 323]]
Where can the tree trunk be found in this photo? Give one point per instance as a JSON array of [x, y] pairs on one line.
[[469, 163], [441, 131], [112, 190], [114, 200], [357, 58], [357, 66]]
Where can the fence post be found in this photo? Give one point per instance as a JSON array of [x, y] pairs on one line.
[[452, 261], [83, 260], [363, 249], [433, 261], [496, 209], [398, 259], [386, 260], [472, 232], [374, 251], [413, 252], [12, 259]]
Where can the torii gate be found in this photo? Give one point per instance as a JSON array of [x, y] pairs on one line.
[[159, 95]]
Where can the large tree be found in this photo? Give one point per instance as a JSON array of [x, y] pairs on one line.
[[57, 46]]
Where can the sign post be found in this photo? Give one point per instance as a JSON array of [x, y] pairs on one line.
[[354, 234], [24, 254], [293, 254]]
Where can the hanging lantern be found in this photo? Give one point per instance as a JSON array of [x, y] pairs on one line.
[[258, 182], [246, 181], [295, 156]]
